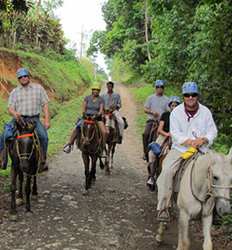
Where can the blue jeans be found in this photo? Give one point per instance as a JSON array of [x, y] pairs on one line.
[[40, 129]]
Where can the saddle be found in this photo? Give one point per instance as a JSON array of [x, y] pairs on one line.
[[184, 163]]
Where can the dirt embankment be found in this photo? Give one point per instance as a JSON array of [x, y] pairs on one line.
[[9, 63]]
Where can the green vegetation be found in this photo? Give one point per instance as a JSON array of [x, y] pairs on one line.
[[173, 40]]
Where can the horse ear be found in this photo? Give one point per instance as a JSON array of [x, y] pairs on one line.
[[230, 155]]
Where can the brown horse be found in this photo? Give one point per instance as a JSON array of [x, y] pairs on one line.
[[111, 140], [91, 147], [155, 164], [24, 153]]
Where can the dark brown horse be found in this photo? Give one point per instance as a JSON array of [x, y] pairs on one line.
[[111, 140], [91, 147], [24, 153], [154, 167]]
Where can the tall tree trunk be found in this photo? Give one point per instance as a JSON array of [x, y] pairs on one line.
[[146, 30]]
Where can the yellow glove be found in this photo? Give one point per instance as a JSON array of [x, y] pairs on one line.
[[188, 153]]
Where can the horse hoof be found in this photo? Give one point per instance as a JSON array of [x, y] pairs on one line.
[[34, 197], [158, 238], [85, 192], [13, 217], [19, 202], [107, 172]]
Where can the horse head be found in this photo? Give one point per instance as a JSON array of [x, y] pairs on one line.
[[109, 118], [25, 143], [89, 130], [222, 181]]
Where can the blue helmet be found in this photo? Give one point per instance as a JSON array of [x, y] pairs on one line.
[[190, 87], [159, 83], [174, 99], [22, 72]]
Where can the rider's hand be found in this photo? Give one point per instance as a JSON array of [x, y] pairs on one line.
[[189, 142], [155, 114], [198, 142], [17, 115], [46, 124]]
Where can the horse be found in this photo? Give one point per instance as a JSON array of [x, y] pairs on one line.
[[155, 162], [112, 137], [91, 146], [24, 151], [205, 185]]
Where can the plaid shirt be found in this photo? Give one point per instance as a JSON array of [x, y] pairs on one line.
[[28, 100]]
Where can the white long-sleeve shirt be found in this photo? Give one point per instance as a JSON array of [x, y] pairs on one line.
[[200, 125]]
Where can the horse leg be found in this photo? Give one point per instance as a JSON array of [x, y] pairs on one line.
[[34, 188], [107, 163], [93, 169], [28, 193], [207, 223], [86, 160], [19, 199], [13, 211], [183, 234], [112, 154]]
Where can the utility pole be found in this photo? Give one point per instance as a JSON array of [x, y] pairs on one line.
[[81, 43]]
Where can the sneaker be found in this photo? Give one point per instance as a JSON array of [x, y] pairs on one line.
[[43, 167], [67, 148], [119, 141], [163, 216]]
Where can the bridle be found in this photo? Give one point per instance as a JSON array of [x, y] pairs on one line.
[[211, 186], [35, 145]]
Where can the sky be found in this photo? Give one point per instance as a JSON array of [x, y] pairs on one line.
[[81, 16]]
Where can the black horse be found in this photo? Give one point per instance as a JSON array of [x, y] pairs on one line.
[[91, 146], [24, 152]]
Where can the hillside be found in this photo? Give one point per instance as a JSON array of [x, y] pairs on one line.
[[64, 79]]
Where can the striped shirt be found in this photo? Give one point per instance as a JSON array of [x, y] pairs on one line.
[[28, 100]]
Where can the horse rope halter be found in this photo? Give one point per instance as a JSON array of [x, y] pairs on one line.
[[35, 139], [85, 138], [211, 186]]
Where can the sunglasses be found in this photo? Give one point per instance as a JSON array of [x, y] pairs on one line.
[[22, 77], [191, 94], [159, 87]]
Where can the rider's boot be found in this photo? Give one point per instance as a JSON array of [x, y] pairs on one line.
[[43, 166], [68, 147], [3, 158]]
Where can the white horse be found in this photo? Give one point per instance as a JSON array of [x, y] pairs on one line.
[[205, 184]]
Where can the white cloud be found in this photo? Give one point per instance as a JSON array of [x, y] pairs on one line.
[[79, 16]]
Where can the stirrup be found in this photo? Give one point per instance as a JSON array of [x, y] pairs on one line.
[[67, 148], [163, 216]]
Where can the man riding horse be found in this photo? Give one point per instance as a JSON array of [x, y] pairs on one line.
[[93, 105], [191, 125], [27, 101], [155, 106], [112, 102]]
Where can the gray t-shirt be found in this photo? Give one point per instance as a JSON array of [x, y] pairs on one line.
[[112, 100], [157, 104], [93, 105]]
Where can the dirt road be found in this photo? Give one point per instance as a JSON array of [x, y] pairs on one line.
[[119, 212]]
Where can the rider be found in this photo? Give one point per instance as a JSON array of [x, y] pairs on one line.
[[26, 101], [112, 101], [155, 106], [163, 135], [92, 105], [191, 125]]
